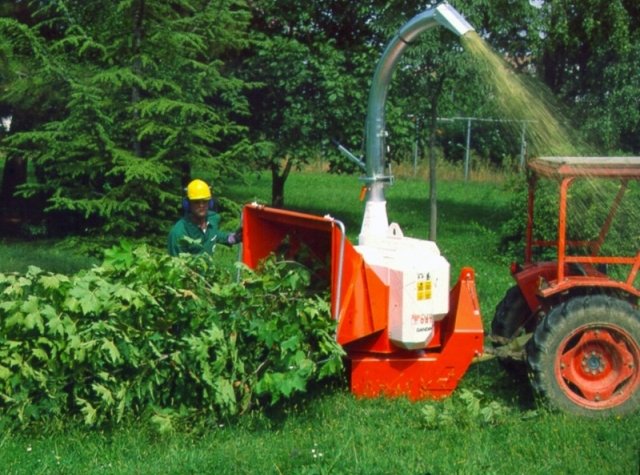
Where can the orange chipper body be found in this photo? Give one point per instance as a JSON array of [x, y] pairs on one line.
[[360, 304]]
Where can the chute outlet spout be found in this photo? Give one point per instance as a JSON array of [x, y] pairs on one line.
[[375, 222]]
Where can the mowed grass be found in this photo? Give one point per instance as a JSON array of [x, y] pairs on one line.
[[334, 433], [17, 255], [328, 430]]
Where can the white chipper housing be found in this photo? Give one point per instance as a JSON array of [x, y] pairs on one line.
[[418, 279]]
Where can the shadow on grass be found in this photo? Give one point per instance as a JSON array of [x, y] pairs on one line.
[[456, 215], [492, 379], [326, 401], [301, 404]]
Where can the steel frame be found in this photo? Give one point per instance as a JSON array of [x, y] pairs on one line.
[[566, 170]]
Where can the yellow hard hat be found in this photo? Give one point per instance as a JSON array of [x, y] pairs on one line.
[[198, 190]]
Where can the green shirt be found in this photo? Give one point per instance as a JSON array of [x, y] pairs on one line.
[[187, 237]]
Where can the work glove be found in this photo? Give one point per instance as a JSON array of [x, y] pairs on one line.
[[236, 237]]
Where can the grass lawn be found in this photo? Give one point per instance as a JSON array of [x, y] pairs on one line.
[[334, 433], [330, 431], [17, 255]]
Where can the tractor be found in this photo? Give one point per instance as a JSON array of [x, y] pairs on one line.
[[572, 317]]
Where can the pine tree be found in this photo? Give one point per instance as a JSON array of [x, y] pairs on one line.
[[129, 97]]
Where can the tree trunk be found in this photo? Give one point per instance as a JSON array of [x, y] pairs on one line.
[[185, 174], [12, 207], [138, 17], [277, 182], [433, 194]]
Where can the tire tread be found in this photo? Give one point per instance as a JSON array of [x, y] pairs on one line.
[[557, 323]]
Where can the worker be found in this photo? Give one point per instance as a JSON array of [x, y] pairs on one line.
[[198, 232]]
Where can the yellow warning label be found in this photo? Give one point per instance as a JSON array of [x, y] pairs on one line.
[[424, 289]]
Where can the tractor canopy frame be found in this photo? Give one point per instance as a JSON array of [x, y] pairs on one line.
[[571, 268]]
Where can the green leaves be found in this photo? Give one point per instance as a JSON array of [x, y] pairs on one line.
[[147, 335], [464, 409]]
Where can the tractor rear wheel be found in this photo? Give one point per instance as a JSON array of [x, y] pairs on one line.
[[584, 356], [512, 319]]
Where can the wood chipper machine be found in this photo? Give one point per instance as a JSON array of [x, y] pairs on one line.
[[573, 313], [404, 331]]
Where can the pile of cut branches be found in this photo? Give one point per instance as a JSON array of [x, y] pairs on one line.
[[148, 335]]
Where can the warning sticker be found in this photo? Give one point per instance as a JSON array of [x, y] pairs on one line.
[[423, 289]]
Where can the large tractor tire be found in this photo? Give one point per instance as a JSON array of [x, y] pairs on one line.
[[584, 356], [511, 321]]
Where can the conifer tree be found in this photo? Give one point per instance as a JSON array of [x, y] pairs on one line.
[[130, 96]]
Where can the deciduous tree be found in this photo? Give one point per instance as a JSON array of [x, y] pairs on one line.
[[310, 63], [590, 57]]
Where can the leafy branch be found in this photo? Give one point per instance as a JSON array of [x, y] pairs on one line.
[[147, 335]]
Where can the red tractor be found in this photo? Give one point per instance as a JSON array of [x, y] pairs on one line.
[[575, 314]]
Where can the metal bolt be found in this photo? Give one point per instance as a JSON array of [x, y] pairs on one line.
[[563, 366], [597, 398]]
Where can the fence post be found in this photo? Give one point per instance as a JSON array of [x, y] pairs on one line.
[[523, 144], [467, 151], [415, 146]]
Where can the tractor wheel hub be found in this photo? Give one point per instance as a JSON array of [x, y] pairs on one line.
[[593, 363]]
